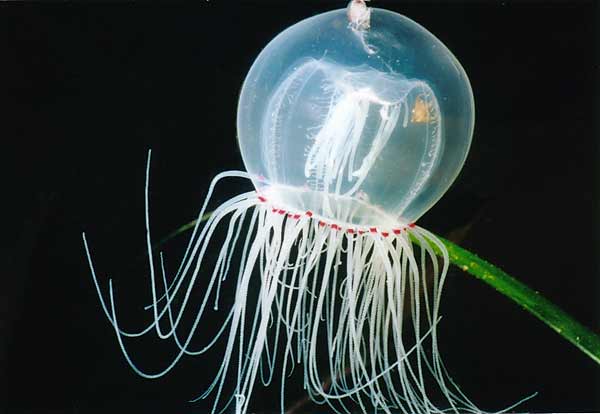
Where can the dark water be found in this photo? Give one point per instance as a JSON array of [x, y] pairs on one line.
[[86, 90]]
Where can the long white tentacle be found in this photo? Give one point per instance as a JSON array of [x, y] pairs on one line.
[[359, 310]]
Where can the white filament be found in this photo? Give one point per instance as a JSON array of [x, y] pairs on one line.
[[358, 311]]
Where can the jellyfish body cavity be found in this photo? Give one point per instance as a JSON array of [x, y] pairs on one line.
[[359, 130], [351, 125]]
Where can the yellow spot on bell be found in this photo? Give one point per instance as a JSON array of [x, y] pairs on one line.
[[420, 112]]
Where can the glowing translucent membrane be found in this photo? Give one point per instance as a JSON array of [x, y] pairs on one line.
[[368, 127]]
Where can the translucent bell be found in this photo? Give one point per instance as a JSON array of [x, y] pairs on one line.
[[359, 120]]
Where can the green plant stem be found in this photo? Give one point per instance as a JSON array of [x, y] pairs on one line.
[[530, 300]]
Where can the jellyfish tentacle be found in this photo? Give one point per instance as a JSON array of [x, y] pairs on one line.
[[285, 303], [239, 309], [284, 242], [410, 269], [319, 235], [176, 283], [383, 253], [316, 284], [219, 279], [183, 348], [362, 379], [200, 247], [217, 274], [202, 244], [219, 177], [457, 398]]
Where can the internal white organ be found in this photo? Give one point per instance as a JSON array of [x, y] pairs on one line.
[[334, 147], [345, 118]]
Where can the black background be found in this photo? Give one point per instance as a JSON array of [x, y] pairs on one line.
[[85, 90]]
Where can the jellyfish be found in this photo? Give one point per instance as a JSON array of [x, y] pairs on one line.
[[351, 125]]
